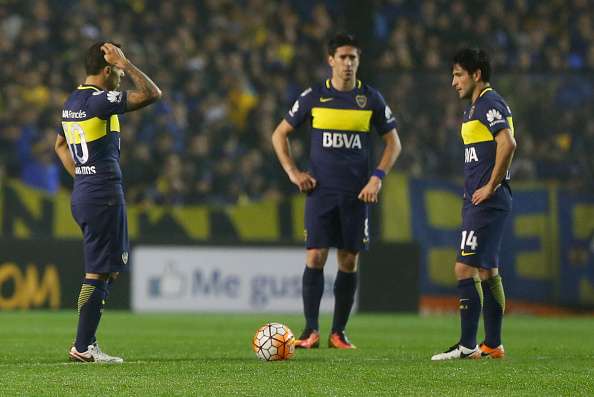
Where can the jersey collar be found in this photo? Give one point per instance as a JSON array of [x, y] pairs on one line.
[[329, 86], [88, 87], [485, 90]]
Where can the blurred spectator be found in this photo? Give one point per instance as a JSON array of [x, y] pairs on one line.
[[230, 69]]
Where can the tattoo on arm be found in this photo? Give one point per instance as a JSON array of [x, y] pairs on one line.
[[145, 92]]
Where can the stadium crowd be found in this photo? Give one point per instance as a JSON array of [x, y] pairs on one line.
[[229, 70]]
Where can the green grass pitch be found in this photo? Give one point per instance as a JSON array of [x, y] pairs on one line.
[[210, 355]]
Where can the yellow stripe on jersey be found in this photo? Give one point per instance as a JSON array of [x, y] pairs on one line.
[[114, 123], [92, 129], [86, 87], [341, 119], [484, 91], [510, 121], [474, 131]]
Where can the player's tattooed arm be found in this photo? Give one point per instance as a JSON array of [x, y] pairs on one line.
[[280, 141], [506, 146], [392, 148], [145, 90], [61, 148]]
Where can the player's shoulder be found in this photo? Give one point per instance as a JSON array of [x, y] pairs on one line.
[[490, 101], [370, 92], [314, 91]]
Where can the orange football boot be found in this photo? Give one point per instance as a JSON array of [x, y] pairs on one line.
[[490, 352], [309, 339], [338, 340]]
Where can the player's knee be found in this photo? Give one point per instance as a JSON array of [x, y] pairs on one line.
[[316, 258], [486, 274], [347, 261], [464, 271]]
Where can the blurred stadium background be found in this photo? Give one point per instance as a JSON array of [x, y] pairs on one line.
[[215, 223]]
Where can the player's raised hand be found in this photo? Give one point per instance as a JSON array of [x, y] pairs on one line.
[[370, 193], [304, 181], [114, 55]]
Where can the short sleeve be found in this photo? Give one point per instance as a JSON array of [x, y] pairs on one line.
[[495, 117], [301, 109], [107, 103], [383, 119]]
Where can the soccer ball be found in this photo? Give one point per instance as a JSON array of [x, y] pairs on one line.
[[273, 342]]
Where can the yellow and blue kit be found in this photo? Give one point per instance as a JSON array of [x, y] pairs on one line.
[[483, 224], [91, 128]]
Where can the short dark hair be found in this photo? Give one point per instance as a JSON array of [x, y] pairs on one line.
[[94, 59], [342, 39], [473, 59]]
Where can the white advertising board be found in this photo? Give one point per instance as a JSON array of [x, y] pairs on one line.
[[223, 279]]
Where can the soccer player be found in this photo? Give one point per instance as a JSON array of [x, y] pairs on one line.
[[489, 145], [339, 184], [89, 148]]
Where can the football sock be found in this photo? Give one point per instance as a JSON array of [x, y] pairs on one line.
[[108, 286], [90, 306], [313, 289], [344, 296], [471, 299], [493, 309]]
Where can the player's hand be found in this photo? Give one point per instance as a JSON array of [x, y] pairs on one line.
[[370, 192], [304, 181], [114, 55], [483, 194]]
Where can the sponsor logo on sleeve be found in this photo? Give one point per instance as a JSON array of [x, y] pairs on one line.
[[388, 114], [114, 96], [494, 117]]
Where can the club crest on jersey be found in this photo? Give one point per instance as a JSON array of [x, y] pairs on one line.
[[361, 100], [125, 257], [471, 112]]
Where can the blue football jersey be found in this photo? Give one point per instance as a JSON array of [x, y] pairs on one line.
[[341, 122], [91, 128], [488, 115]]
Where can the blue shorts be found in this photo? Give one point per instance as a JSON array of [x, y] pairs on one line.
[[105, 233], [481, 235], [336, 219]]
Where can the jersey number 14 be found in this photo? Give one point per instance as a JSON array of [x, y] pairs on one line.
[[468, 240]]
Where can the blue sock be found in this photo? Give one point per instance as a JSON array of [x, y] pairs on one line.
[[493, 309], [108, 286], [344, 297], [90, 306], [471, 297], [313, 289]]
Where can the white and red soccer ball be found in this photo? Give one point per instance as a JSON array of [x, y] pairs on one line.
[[274, 342]]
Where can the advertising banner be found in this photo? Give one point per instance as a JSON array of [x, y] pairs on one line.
[[227, 279], [47, 274]]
